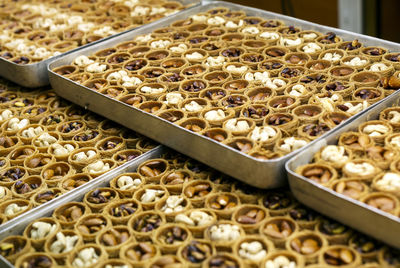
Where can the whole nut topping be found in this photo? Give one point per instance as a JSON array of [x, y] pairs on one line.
[[86, 136], [318, 174], [72, 126], [173, 236], [242, 146], [141, 252], [215, 135], [176, 177], [283, 102], [330, 227], [115, 237], [124, 210], [56, 171], [23, 187], [92, 225], [153, 168], [46, 196], [38, 161], [342, 71], [272, 65], [198, 190], [6, 142], [196, 251], [40, 261], [364, 244], [233, 101], [194, 127], [330, 38], [147, 223], [134, 100], [339, 256], [76, 182], [100, 196], [319, 78], [279, 229], [255, 112], [277, 200], [306, 246], [72, 213], [223, 202], [166, 261], [316, 129], [223, 262], [351, 189], [336, 86], [367, 94], [279, 119], [252, 216], [291, 72], [301, 213], [12, 174], [374, 51], [12, 247], [382, 202]]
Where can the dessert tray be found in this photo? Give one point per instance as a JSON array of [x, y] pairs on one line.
[[34, 34], [358, 198], [185, 214], [255, 145]]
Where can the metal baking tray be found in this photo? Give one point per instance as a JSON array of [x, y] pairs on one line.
[[258, 173], [374, 222], [35, 74], [17, 227], [25, 217]]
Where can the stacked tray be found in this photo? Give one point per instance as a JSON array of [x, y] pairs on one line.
[[186, 224], [34, 34], [347, 197], [334, 92], [50, 148]]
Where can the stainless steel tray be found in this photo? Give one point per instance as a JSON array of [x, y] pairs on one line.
[[17, 227], [35, 74], [10, 225], [258, 173], [374, 222]]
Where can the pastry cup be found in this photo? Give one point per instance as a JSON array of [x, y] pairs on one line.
[[142, 196], [252, 59], [109, 128], [61, 257], [139, 253], [116, 60], [235, 130], [38, 244], [351, 47], [132, 99], [45, 195], [10, 143], [139, 51], [197, 191], [266, 246], [367, 247], [392, 59], [276, 52], [273, 66], [174, 180], [237, 86], [250, 217], [146, 145], [319, 48], [273, 258], [348, 257], [190, 109], [99, 250], [55, 172], [273, 134], [20, 247], [330, 40], [200, 55], [141, 90], [319, 66], [36, 162], [58, 105], [151, 74], [351, 187], [223, 204], [313, 130], [166, 260], [8, 131], [311, 250], [82, 164], [241, 144], [41, 258], [278, 229], [69, 129], [28, 186], [107, 147], [114, 92], [69, 213], [225, 259], [172, 80], [367, 175], [377, 130], [121, 211], [365, 79], [347, 61], [293, 73], [285, 121], [382, 156], [305, 217], [113, 238], [334, 119], [260, 95], [171, 236], [235, 102], [66, 70], [213, 94], [213, 49], [336, 161], [229, 113], [98, 199], [196, 227], [126, 188], [81, 78], [43, 143], [390, 115], [19, 202], [144, 223], [374, 53], [174, 65], [152, 107], [114, 263], [341, 72], [296, 59], [134, 65], [35, 113], [217, 78], [152, 170], [224, 244], [73, 181], [125, 156], [189, 252], [384, 201], [90, 225], [131, 138], [87, 138], [232, 39], [6, 193], [256, 112], [51, 120], [335, 60], [170, 216], [308, 113], [334, 232], [277, 203], [369, 94], [191, 72], [343, 88], [388, 256]]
